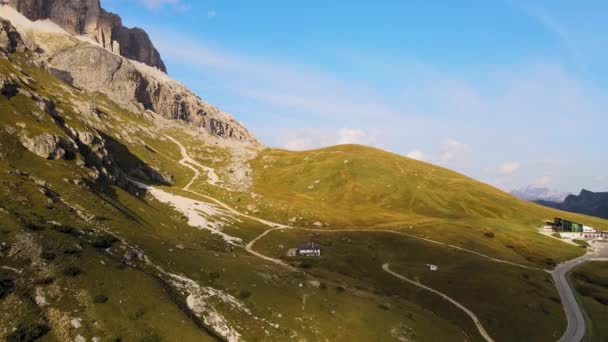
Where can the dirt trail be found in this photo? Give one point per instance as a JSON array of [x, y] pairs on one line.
[[190, 163], [478, 324]]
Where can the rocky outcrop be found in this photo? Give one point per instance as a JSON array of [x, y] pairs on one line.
[[106, 158], [135, 44], [135, 85], [87, 18], [10, 40], [132, 84], [48, 146], [8, 87]]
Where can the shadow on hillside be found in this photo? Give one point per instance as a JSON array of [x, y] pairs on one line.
[[132, 169], [131, 165]]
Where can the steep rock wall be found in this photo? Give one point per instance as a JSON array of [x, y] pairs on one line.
[[87, 18]]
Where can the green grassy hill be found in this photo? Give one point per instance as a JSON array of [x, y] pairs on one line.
[[81, 255], [351, 186]]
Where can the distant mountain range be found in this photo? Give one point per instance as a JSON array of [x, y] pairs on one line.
[[587, 202], [536, 193]]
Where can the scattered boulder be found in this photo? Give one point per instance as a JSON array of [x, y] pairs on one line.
[[48, 146], [8, 88]]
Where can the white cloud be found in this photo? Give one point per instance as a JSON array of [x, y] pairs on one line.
[[296, 90], [307, 139], [211, 14], [508, 168], [551, 24], [300, 144], [351, 136], [415, 154], [453, 150], [157, 4]]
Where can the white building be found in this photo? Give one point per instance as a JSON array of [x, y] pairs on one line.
[[587, 229], [309, 249], [571, 235], [583, 235]]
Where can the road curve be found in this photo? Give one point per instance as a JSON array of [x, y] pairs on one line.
[[576, 321], [480, 328]]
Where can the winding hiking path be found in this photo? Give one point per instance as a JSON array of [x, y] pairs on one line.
[[480, 328], [190, 163], [576, 323]]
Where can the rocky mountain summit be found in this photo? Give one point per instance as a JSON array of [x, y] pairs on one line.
[[587, 202], [136, 86], [87, 18]]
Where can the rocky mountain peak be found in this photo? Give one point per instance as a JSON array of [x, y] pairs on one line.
[[87, 18]]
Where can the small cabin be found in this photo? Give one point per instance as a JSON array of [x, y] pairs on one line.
[[433, 268], [309, 249]]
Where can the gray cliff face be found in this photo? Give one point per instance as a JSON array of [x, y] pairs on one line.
[[92, 68], [87, 146], [86, 17], [131, 84]]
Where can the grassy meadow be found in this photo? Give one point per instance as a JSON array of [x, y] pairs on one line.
[[503, 296], [590, 281]]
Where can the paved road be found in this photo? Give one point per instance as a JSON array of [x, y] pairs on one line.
[[574, 313], [576, 321]]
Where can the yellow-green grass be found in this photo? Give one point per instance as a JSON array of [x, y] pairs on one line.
[[504, 297], [155, 229], [306, 311], [351, 186], [590, 281], [447, 207]]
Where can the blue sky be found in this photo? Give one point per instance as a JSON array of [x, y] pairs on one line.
[[510, 92]]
